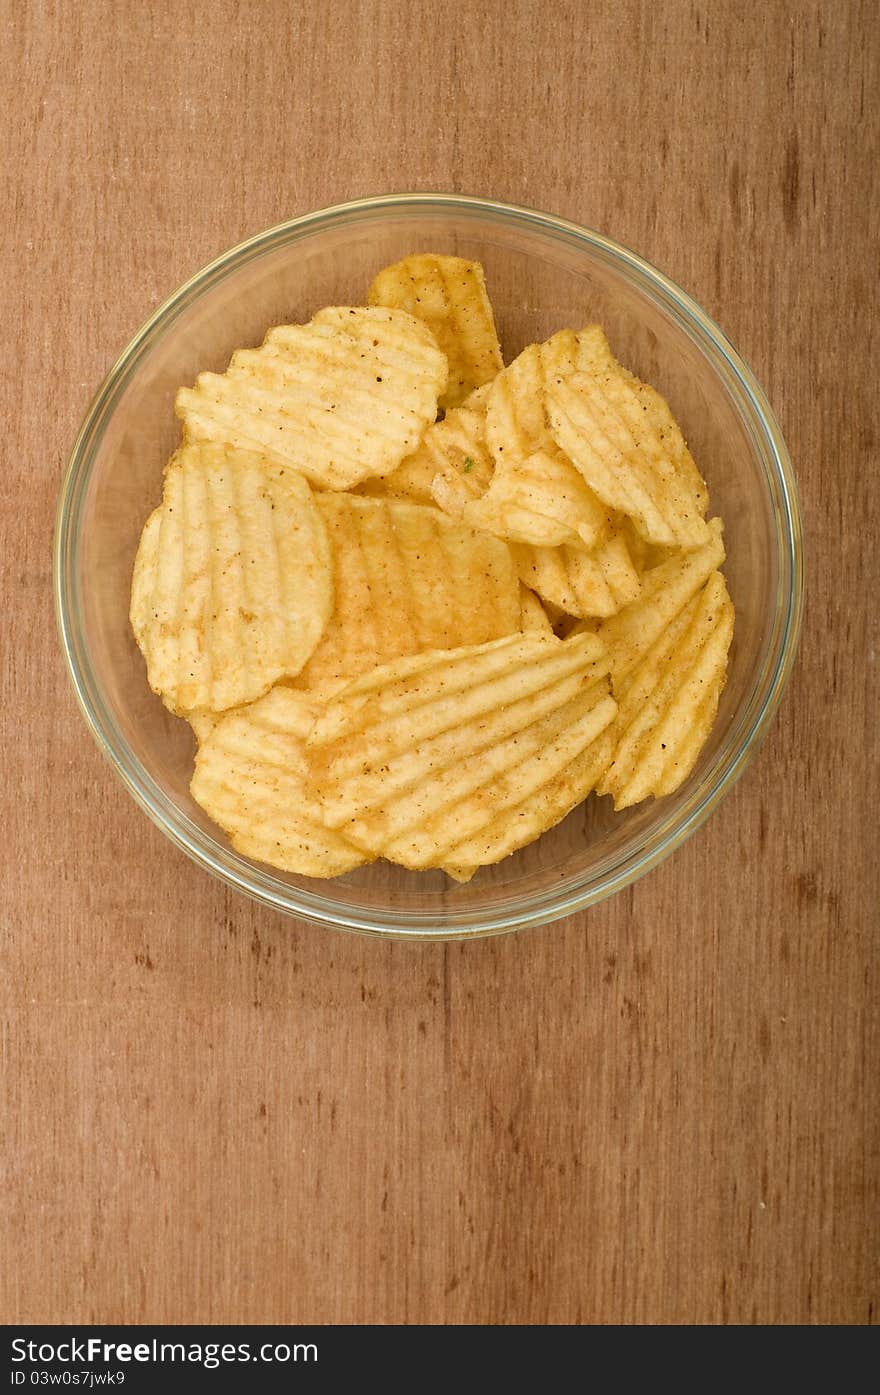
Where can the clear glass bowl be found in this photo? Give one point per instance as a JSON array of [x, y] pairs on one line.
[[543, 274]]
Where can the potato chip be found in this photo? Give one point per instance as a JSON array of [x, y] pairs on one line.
[[517, 424], [534, 617], [535, 494], [449, 295], [407, 579], [666, 590], [250, 777], [577, 749], [232, 582], [580, 582], [455, 446], [669, 700], [459, 757], [624, 440], [541, 500], [339, 399]]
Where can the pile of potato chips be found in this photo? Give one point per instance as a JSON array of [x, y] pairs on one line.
[[417, 604]]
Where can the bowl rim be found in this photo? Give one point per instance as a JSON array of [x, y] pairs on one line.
[[535, 909]]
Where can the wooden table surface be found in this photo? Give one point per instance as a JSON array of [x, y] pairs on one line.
[[663, 1110]]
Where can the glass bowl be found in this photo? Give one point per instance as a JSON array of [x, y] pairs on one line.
[[543, 274]]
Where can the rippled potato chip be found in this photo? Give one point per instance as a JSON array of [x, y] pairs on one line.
[[669, 700], [533, 494], [458, 758], [517, 424], [666, 590], [339, 399], [579, 582], [624, 440], [407, 579], [540, 500], [232, 583], [449, 295], [251, 778]]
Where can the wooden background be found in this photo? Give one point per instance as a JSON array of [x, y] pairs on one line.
[[663, 1110]]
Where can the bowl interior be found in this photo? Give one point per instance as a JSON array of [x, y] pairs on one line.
[[541, 278]]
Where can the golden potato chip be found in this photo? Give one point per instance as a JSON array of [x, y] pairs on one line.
[[665, 592], [459, 757], [232, 583], [449, 295], [577, 748], [669, 700], [339, 399], [624, 440], [517, 424], [541, 500], [455, 446], [534, 616], [683, 755], [407, 579], [250, 777], [578, 582], [535, 494]]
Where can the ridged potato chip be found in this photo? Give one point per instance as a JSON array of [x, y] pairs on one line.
[[535, 495], [407, 579], [458, 758], [541, 500], [454, 448], [582, 583], [666, 590], [624, 440], [668, 702], [449, 295], [251, 778], [339, 399], [517, 424], [232, 582], [562, 760]]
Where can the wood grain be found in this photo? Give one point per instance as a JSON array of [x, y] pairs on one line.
[[662, 1111]]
